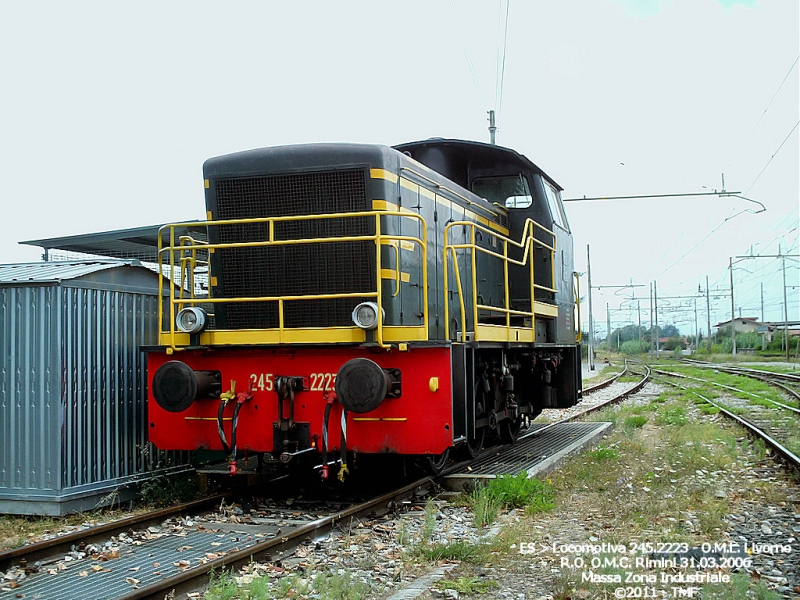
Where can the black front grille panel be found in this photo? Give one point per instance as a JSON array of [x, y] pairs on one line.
[[317, 268]]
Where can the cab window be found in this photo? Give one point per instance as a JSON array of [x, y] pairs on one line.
[[556, 207], [511, 191]]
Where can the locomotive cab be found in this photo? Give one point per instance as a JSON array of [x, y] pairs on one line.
[[510, 181]]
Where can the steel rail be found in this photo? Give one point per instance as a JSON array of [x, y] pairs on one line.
[[606, 383], [619, 397], [765, 376], [64, 543], [730, 387], [791, 458], [784, 376], [197, 576]]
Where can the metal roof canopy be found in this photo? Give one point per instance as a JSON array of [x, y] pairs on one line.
[[56, 271], [139, 242]]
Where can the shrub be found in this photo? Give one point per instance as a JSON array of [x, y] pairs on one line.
[[633, 347]]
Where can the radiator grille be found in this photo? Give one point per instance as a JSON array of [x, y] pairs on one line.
[[322, 268]]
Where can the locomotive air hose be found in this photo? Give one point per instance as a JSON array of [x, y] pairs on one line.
[[325, 418], [234, 424], [221, 432], [343, 470]]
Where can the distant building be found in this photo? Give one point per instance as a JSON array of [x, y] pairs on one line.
[[743, 324], [749, 325]]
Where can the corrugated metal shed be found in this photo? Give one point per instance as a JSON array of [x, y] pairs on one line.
[[73, 384], [53, 272]]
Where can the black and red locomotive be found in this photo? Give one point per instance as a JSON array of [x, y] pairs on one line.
[[351, 298]]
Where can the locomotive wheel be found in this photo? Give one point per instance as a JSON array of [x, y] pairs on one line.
[[436, 464], [509, 430], [469, 449]]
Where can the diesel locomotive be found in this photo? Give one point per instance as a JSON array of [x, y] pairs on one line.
[[355, 299]]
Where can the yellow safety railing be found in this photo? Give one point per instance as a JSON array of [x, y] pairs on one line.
[[184, 257], [527, 245], [188, 248]]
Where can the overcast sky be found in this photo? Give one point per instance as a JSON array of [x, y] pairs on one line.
[[108, 110]]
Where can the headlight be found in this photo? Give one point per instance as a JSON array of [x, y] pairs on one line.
[[365, 315], [192, 319]]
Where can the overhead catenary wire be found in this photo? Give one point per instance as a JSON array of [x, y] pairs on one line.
[[715, 229], [467, 55], [775, 95], [735, 207], [501, 56], [774, 154]]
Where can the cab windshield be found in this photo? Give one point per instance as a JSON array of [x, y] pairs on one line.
[[511, 191]]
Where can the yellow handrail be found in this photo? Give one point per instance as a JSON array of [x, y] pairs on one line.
[[187, 257], [526, 245]]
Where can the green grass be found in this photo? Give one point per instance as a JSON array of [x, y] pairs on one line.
[[510, 491], [604, 453], [429, 525], [467, 585], [323, 585], [747, 385], [485, 508], [707, 409], [457, 550], [672, 415], [221, 586], [739, 589], [635, 421], [335, 586]]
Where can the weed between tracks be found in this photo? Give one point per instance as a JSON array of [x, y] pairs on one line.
[[323, 586], [778, 422]]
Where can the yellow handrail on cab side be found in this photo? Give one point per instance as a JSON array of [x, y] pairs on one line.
[[527, 245]]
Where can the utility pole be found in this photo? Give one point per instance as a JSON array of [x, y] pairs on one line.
[[492, 129], [785, 305], [696, 334], [708, 316], [763, 335], [651, 320], [591, 322], [655, 298], [639, 310], [608, 309], [733, 310]]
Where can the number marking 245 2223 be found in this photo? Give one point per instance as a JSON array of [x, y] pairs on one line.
[[318, 382]]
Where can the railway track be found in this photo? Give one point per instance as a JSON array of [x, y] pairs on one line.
[[757, 427], [740, 391], [587, 407], [780, 380], [164, 553], [606, 383], [177, 556]]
